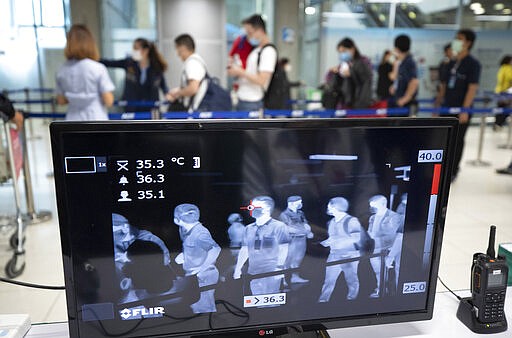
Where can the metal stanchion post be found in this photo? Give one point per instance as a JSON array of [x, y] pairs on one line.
[[479, 162], [16, 265], [155, 113], [32, 216], [28, 107]]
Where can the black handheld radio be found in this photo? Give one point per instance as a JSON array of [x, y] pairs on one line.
[[484, 311], [489, 283]]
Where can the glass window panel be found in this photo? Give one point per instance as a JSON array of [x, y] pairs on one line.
[[53, 13], [23, 13], [50, 37]]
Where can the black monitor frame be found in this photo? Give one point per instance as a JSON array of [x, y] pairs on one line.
[[59, 129]]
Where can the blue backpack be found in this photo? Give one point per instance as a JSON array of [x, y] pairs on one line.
[[216, 98]]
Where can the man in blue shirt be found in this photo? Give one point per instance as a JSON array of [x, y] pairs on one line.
[[199, 255], [460, 84], [404, 75]]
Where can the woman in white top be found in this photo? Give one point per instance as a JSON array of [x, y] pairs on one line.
[[82, 82]]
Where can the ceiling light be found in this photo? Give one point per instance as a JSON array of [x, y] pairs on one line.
[[507, 11], [479, 11], [412, 15], [499, 6], [310, 10], [474, 6], [382, 17]]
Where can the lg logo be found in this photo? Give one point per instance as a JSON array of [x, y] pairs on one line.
[[142, 312]]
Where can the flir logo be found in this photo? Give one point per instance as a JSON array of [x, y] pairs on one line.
[[141, 312]]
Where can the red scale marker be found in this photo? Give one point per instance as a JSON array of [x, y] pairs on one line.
[[435, 179]]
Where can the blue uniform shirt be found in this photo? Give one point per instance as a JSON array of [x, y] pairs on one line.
[[407, 71], [459, 76]]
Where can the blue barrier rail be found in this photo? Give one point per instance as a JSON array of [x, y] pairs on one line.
[[329, 113]]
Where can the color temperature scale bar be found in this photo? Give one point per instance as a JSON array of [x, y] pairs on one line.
[[427, 249]]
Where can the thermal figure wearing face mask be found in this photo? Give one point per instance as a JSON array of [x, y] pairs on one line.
[[264, 246], [199, 254]]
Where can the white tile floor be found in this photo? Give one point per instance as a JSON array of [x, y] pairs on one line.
[[478, 198]]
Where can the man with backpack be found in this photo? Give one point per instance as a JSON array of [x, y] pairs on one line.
[[192, 87], [255, 80]]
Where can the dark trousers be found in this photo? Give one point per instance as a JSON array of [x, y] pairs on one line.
[[500, 118], [463, 128]]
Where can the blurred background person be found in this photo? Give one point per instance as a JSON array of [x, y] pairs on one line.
[[460, 85], [286, 66], [12, 114], [82, 82], [384, 71], [189, 95], [255, 79], [405, 76], [356, 71], [240, 50], [443, 71], [503, 83], [144, 73]]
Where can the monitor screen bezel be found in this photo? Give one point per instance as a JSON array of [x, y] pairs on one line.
[[58, 129]]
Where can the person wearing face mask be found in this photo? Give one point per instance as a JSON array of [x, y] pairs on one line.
[[460, 84], [344, 233], [383, 227], [144, 70], [384, 71], [299, 231], [404, 75], [265, 246], [261, 63], [356, 71]]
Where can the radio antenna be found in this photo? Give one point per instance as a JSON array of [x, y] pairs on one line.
[[490, 249]]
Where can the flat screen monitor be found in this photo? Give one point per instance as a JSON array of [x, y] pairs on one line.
[[250, 226]]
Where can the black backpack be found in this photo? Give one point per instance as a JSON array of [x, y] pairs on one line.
[[366, 244], [277, 91]]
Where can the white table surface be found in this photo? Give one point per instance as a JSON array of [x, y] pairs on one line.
[[444, 324]]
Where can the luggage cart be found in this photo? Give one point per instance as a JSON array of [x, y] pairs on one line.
[[16, 265]]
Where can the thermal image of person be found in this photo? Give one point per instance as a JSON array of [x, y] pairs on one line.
[[236, 232], [299, 231], [344, 234], [199, 254], [383, 227], [124, 235], [265, 246], [401, 208]]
